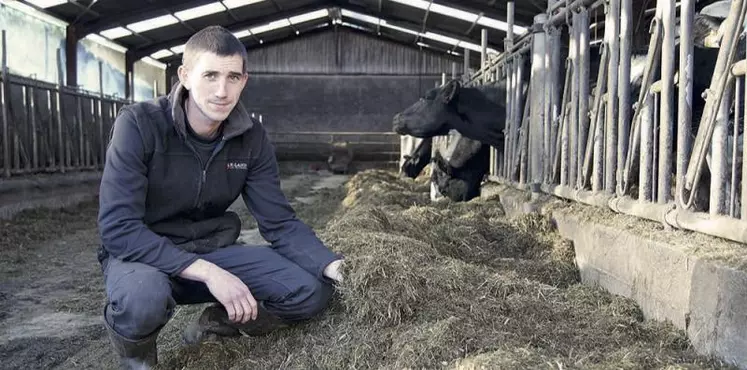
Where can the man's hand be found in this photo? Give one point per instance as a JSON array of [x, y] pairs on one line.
[[229, 290], [334, 271]]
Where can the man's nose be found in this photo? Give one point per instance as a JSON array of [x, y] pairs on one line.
[[222, 90]]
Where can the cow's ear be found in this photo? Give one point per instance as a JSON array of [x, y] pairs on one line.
[[450, 91]]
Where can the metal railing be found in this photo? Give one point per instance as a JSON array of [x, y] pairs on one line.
[[607, 148]]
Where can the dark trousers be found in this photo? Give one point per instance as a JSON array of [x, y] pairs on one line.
[[141, 299]]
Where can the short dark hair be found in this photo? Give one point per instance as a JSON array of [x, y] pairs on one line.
[[216, 40]]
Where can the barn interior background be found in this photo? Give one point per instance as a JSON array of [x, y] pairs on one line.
[[338, 71]]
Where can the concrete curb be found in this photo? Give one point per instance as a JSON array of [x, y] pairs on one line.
[[706, 300], [47, 191]]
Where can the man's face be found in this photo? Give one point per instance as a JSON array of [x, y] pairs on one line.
[[214, 83]]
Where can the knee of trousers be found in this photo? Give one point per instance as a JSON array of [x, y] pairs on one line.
[[307, 301], [137, 310]]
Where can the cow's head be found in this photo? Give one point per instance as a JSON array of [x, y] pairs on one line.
[[430, 115]]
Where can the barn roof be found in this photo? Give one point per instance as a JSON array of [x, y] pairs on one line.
[[158, 29]]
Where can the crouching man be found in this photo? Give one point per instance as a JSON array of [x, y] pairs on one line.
[[173, 167]]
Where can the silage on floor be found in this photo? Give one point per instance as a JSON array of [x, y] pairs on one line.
[[451, 285]]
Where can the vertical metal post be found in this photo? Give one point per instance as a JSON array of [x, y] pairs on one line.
[[537, 99], [575, 82], [735, 144], [719, 174], [555, 93], [465, 72], [597, 170], [666, 120], [613, 41], [5, 106], [517, 109], [483, 47], [34, 138], [60, 143], [583, 90], [453, 70], [684, 106], [647, 166], [623, 87], [744, 154], [507, 154], [547, 91], [561, 141], [80, 161], [443, 79], [511, 84], [524, 142]]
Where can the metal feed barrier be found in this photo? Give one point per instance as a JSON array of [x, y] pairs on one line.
[[587, 150], [615, 150]]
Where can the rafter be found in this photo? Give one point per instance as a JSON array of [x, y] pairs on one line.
[[151, 48]]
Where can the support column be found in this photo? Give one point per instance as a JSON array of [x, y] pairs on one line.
[[536, 126], [129, 76], [71, 57]]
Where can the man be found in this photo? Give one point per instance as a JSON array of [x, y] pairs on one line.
[[173, 167]]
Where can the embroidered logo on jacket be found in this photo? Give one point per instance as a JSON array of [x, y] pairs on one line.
[[236, 166]]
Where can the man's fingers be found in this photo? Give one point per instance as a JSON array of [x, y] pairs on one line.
[[253, 304], [230, 310], [248, 312]]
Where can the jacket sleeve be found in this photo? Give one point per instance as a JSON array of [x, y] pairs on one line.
[[276, 218], [122, 194]]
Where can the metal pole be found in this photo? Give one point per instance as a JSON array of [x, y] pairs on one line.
[[575, 87], [507, 160], [511, 84], [667, 99], [453, 70], [646, 167], [563, 134], [546, 145], [595, 142], [60, 144], [537, 111], [465, 72], [6, 105], [613, 40], [734, 141], [34, 136], [583, 90], [556, 103], [517, 109], [624, 100], [483, 47], [744, 155], [684, 106], [719, 174]]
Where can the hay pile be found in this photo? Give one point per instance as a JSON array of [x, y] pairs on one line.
[[455, 286]]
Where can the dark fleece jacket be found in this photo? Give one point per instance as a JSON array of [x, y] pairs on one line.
[[153, 177]]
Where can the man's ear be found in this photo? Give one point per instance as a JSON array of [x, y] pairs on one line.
[[183, 76], [450, 91]]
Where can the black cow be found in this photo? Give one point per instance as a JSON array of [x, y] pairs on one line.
[[479, 113]]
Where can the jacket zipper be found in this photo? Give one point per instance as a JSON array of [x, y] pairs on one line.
[[204, 168]]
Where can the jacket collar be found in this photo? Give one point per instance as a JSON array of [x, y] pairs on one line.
[[238, 121]]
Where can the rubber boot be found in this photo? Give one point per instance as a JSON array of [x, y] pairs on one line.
[[138, 354], [214, 322]]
